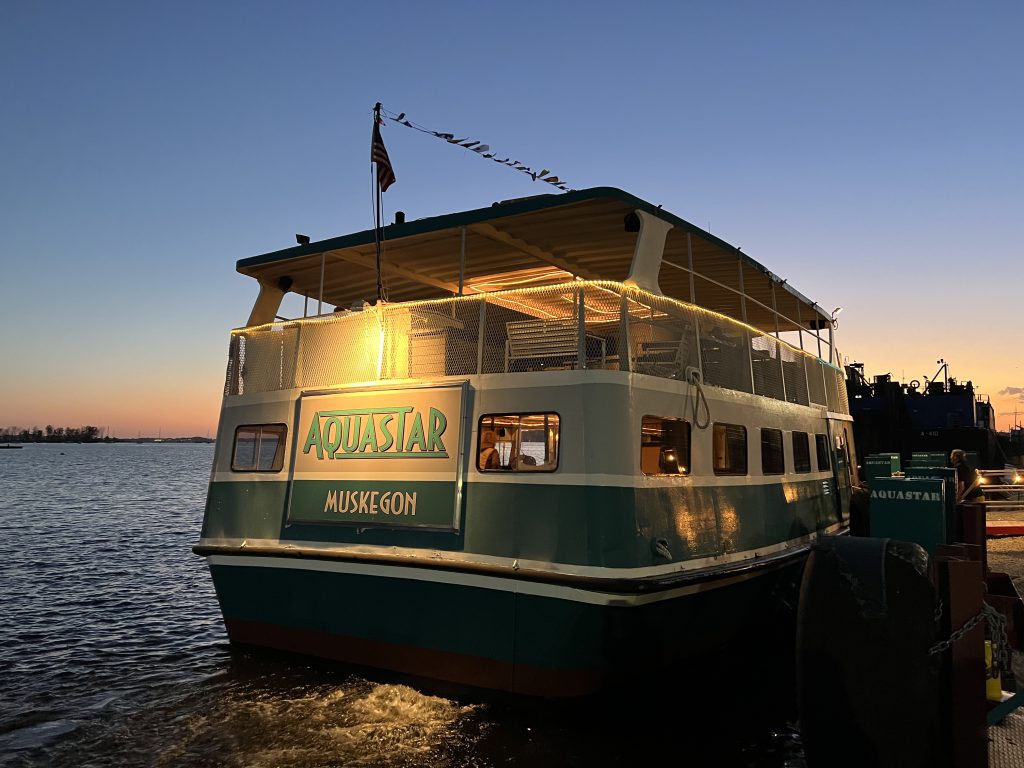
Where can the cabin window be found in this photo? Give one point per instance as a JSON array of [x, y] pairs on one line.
[[822, 444], [259, 448], [801, 453], [773, 461], [518, 442], [664, 446], [730, 449]]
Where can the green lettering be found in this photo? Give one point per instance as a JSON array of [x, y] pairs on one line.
[[388, 439], [351, 434], [314, 438], [400, 434], [416, 434], [369, 436], [438, 423], [332, 436]]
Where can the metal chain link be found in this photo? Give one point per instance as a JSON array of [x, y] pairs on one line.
[[1002, 656]]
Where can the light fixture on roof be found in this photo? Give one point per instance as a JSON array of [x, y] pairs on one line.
[[302, 239]]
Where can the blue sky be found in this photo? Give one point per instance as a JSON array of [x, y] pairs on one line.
[[871, 153]]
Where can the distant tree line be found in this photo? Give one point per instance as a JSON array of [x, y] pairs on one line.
[[51, 434]]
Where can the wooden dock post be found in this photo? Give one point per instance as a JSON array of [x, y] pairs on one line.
[[961, 583]]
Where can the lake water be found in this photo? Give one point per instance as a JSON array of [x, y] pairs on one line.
[[112, 653]]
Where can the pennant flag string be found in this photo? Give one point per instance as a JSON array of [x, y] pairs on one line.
[[484, 150]]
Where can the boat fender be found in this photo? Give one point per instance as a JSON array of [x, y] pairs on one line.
[[660, 548], [865, 625]]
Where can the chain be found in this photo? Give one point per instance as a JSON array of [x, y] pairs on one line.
[[1002, 656]]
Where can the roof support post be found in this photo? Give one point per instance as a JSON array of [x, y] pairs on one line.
[[650, 248], [581, 341], [268, 301], [462, 260], [480, 336], [743, 292], [320, 298], [624, 346], [689, 258]]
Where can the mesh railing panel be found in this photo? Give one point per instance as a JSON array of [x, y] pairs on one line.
[[663, 338], [815, 382], [529, 330], [341, 349], [766, 366], [724, 353], [793, 375], [831, 389], [844, 399], [264, 359]]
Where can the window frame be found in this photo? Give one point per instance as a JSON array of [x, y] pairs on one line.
[[797, 467], [781, 470], [520, 415], [688, 465], [283, 437], [729, 471], [822, 449]]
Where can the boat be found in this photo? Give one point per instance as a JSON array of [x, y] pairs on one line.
[[924, 421], [549, 447], [9, 445]]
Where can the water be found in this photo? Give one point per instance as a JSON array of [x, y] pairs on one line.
[[112, 653]]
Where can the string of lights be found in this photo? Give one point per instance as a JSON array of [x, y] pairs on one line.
[[484, 150]]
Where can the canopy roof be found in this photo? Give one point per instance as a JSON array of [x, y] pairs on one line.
[[539, 240]]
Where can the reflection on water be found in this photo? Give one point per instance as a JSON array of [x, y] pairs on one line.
[[112, 653]]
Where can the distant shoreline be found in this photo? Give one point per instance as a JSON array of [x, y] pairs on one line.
[[16, 440]]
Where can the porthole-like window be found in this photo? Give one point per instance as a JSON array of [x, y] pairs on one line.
[[773, 461], [821, 441], [729, 449], [518, 442], [259, 448], [664, 446], [801, 453]]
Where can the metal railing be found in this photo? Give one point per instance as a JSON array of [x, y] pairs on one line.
[[1003, 489], [596, 324]]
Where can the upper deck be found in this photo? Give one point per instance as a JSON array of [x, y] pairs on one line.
[[595, 278]]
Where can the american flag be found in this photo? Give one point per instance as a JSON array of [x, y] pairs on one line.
[[379, 155]]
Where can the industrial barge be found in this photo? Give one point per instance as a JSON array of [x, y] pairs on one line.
[[579, 441]]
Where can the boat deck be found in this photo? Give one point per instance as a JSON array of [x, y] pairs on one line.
[[1006, 742]]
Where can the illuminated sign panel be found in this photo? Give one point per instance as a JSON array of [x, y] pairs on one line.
[[382, 457]]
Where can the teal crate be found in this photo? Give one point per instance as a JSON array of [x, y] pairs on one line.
[[910, 509]]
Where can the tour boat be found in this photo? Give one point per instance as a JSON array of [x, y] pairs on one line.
[[542, 447]]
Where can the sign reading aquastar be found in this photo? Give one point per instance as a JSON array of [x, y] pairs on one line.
[[383, 433], [379, 457]]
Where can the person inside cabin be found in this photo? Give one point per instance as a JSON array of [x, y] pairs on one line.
[[489, 458], [968, 481]]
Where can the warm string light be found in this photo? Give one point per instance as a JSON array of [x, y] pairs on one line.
[[484, 150], [511, 296]]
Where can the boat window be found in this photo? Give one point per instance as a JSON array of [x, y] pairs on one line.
[[773, 461], [518, 442], [730, 449], [801, 453], [259, 448], [664, 446], [822, 444]]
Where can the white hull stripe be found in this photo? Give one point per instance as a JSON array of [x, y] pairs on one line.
[[539, 568], [494, 583]]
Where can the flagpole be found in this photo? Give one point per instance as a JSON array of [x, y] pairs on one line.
[[377, 211]]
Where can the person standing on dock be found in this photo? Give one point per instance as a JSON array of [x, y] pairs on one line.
[[968, 481]]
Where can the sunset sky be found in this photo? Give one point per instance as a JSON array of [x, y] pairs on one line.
[[870, 153]]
